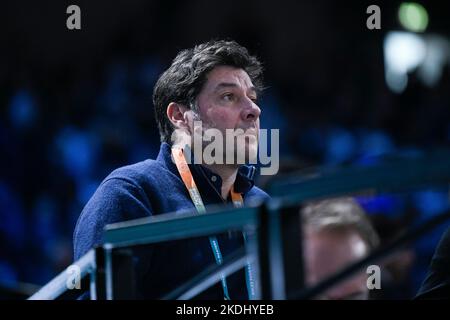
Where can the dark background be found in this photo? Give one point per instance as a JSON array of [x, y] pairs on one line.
[[74, 105]]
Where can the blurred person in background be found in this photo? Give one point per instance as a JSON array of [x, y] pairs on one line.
[[337, 233]]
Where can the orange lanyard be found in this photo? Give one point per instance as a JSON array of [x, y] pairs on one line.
[[236, 198], [188, 180]]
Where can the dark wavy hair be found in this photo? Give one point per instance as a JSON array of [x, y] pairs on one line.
[[184, 79]]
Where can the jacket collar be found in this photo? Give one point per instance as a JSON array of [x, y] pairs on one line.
[[244, 178]]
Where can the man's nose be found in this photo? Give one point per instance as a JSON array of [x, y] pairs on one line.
[[251, 111]]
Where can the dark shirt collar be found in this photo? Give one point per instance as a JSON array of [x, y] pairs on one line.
[[244, 178]]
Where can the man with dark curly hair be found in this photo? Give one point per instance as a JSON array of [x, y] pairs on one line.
[[215, 84]]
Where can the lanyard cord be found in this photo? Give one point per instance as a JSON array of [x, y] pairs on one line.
[[238, 201]]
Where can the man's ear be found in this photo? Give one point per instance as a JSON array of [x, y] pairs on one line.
[[175, 113]]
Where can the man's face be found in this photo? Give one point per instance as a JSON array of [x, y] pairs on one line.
[[228, 101], [328, 251]]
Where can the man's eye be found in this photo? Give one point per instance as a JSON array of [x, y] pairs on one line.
[[228, 97], [254, 99]]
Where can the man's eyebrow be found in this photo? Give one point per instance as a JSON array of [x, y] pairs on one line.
[[233, 85]]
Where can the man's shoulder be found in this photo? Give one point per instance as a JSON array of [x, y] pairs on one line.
[[140, 173], [123, 195], [256, 194]]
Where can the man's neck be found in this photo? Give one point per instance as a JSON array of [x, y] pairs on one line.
[[227, 174]]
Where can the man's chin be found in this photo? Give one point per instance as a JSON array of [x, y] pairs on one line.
[[251, 153]]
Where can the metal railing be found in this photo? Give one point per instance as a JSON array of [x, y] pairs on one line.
[[277, 247]]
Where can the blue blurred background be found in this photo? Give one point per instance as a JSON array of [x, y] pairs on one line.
[[77, 104]]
